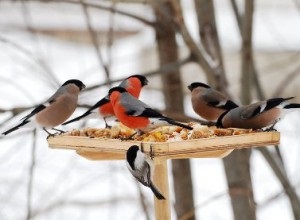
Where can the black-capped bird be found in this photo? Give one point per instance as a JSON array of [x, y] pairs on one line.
[[209, 103], [141, 167], [135, 114], [103, 108], [58, 108], [259, 115]]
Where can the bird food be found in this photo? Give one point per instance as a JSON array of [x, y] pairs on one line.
[[161, 134]]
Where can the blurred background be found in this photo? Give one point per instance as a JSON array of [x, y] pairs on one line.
[[246, 49]]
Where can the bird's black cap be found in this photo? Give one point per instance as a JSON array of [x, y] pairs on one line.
[[197, 84], [117, 88], [77, 82], [131, 155], [143, 79]]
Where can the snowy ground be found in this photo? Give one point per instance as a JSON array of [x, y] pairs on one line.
[[67, 186]]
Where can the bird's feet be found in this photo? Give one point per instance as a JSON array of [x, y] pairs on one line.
[[108, 126], [270, 129], [60, 131]]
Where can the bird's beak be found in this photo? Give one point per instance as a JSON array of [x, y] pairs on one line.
[[146, 82], [190, 88], [83, 86]]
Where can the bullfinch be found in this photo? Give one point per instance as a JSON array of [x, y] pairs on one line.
[[135, 114], [141, 167], [209, 103], [103, 108], [58, 108], [259, 115]]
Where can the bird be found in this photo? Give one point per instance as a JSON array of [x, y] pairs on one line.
[[58, 108], [209, 103], [137, 115], [103, 108], [259, 115], [141, 167]]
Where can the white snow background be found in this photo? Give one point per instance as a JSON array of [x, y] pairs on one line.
[[67, 186]]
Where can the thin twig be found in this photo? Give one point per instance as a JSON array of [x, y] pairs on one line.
[[31, 56], [288, 79], [101, 7], [202, 57], [164, 69], [31, 176], [286, 185], [191, 213], [95, 41], [143, 201]]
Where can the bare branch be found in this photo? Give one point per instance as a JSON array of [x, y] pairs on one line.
[[31, 56], [95, 41], [31, 176], [100, 7], [253, 68], [86, 204], [286, 185], [199, 53], [164, 69], [191, 213], [237, 15], [288, 79], [27, 18], [143, 201]]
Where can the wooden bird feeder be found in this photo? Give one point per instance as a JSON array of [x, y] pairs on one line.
[[113, 149]]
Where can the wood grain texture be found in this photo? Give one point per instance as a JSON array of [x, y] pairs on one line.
[[160, 179], [112, 149]]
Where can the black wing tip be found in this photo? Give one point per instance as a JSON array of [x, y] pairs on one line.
[[230, 105]]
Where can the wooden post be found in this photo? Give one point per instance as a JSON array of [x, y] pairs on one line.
[[160, 179]]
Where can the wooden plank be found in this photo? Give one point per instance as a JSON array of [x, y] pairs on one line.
[[160, 179], [112, 149]]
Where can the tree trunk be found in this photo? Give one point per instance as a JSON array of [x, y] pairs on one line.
[[210, 40], [172, 89], [237, 164], [240, 185]]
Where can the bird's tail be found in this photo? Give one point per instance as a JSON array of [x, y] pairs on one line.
[[78, 118], [274, 102], [102, 102], [292, 105], [16, 127], [156, 192], [173, 122]]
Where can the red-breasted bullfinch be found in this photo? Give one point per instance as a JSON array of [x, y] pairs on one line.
[[135, 114], [209, 103], [141, 167], [258, 115], [103, 108], [58, 108]]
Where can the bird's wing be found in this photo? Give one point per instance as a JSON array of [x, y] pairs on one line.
[[101, 102], [44, 105], [135, 107], [218, 100], [262, 106], [33, 112], [143, 175], [252, 110]]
